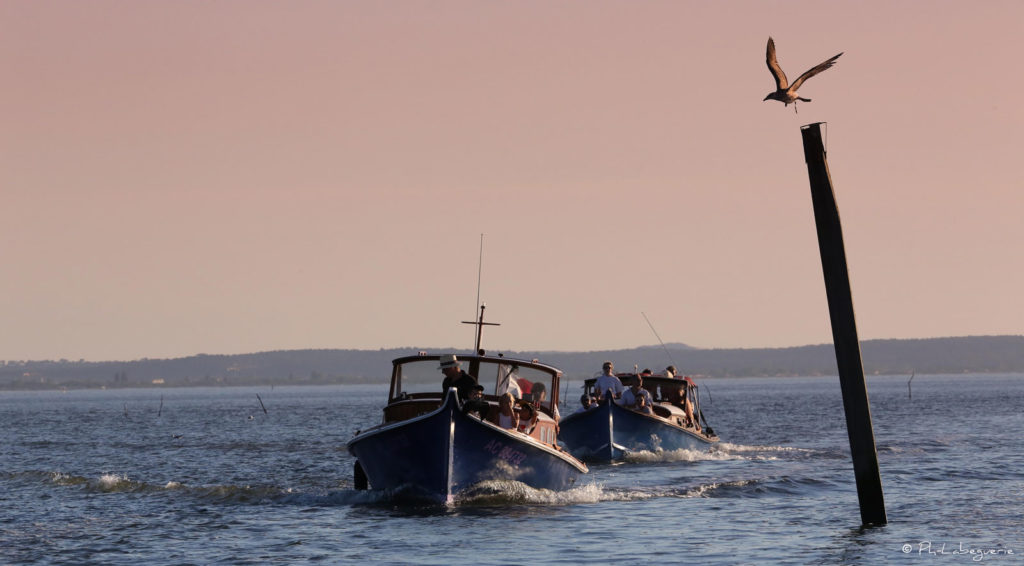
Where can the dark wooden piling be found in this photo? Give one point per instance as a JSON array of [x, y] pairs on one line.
[[844, 330]]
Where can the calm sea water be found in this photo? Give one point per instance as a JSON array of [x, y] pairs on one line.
[[110, 477]]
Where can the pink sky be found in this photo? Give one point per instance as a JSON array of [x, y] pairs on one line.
[[228, 177]]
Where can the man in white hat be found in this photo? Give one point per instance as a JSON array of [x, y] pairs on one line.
[[455, 377]]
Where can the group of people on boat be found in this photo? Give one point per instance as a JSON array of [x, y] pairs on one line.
[[636, 397], [471, 394], [517, 410]]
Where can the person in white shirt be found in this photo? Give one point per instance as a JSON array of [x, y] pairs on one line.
[[607, 381], [507, 416], [638, 398]]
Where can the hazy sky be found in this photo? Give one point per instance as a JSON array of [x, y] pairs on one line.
[[237, 176]]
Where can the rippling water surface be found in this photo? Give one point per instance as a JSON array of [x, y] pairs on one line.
[[113, 477]]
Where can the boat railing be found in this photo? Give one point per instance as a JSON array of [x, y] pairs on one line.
[[410, 407]]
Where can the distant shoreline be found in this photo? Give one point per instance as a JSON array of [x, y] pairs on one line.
[[931, 356], [383, 383]]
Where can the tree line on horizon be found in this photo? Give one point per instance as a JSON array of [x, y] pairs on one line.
[[978, 354]]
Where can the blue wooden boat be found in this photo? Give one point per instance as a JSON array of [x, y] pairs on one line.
[[431, 445], [609, 431]]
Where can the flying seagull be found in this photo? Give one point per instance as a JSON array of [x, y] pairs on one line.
[[785, 92]]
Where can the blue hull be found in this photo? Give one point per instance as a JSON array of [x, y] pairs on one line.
[[440, 454], [608, 432]]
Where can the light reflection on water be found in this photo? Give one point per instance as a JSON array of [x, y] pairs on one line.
[[99, 477]]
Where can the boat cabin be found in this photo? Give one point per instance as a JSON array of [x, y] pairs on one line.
[[416, 389], [670, 395]]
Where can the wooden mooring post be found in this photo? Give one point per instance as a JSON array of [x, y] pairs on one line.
[[844, 330]]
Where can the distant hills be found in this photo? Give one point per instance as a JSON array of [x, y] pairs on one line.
[[971, 354]]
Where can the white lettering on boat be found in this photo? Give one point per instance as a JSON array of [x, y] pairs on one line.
[[507, 453]]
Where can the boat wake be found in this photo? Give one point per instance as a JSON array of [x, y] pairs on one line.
[[723, 451], [766, 452], [105, 483], [680, 455], [504, 492], [120, 483], [487, 494]]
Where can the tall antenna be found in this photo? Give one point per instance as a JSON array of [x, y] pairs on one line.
[[479, 278], [479, 323]]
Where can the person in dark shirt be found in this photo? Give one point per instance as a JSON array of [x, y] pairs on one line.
[[455, 377], [476, 405]]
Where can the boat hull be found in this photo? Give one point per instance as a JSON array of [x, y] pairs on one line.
[[440, 454], [609, 432]]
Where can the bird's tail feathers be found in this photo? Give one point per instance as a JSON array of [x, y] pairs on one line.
[[803, 99]]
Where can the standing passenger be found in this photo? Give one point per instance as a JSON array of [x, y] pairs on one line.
[[455, 377], [607, 381]]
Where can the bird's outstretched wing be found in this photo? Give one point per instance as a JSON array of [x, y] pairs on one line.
[[781, 82], [814, 71]]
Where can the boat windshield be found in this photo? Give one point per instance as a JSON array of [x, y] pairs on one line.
[[422, 375]]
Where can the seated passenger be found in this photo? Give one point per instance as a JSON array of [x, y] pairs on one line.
[[476, 404], [691, 418], [587, 403], [527, 415], [507, 416], [538, 395], [638, 398], [680, 399], [643, 406]]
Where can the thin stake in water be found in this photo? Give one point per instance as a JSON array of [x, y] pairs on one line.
[[262, 405]]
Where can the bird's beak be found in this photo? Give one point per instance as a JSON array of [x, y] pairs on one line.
[[767, 97]]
